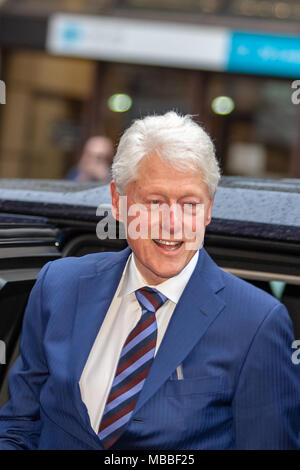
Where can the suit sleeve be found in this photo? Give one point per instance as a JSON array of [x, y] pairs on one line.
[[20, 416], [267, 399]]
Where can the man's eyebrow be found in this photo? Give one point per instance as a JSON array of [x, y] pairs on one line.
[[195, 196], [152, 194]]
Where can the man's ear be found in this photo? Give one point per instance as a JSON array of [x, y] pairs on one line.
[[115, 200], [209, 212]]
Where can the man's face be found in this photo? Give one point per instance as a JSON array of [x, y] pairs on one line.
[[165, 215]]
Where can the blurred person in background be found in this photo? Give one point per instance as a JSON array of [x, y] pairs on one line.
[[95, 161]]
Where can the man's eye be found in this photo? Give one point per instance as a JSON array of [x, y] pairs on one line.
[[190, 207], [155, 201]]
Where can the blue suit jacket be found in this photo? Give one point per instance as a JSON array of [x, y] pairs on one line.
[[240, 388]]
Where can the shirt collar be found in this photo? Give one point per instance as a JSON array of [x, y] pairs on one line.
[[172, 288]]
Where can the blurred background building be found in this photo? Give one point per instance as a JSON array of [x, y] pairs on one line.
[[78, 68]]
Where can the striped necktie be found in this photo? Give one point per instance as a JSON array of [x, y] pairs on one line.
[[132, 369]]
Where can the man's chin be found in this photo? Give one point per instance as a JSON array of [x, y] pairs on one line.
[[162, 275]]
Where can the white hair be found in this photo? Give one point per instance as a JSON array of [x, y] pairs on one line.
[[178, 140]]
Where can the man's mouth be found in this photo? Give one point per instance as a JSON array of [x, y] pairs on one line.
[[169, 245]]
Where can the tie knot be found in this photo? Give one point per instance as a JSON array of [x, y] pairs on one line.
[[150, 299]]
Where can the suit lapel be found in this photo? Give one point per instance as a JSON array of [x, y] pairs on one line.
[[196, 310]]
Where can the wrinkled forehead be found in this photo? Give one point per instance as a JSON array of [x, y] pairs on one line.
[[155, 174], [156, 164]]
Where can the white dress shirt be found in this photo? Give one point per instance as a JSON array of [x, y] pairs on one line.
[[122, 316]]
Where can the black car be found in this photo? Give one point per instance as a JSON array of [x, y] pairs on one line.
[[254, 234]]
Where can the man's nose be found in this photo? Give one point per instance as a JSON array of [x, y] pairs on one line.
[[172, 220]]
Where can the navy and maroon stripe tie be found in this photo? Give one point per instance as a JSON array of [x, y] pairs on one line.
[[132, 369]]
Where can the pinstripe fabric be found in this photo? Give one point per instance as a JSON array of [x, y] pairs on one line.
[[134, 364], [240, 388]]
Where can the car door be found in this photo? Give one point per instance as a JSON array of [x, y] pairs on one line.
[[26, 244]]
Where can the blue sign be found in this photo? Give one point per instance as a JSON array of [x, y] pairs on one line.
[[265, 54], [70, 34]]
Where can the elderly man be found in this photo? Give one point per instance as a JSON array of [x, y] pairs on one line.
[[154, 347]]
